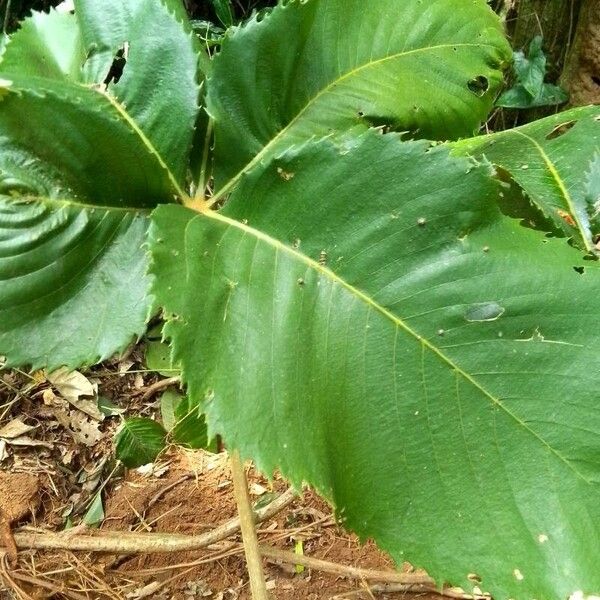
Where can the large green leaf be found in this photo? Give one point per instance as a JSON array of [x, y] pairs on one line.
[[72, 282], [312, 67], [74, 288], [548, 158], [158, 89], [104, 27], [76, 144], [86, 153], [425, 362], [47, 45], [160, 86]]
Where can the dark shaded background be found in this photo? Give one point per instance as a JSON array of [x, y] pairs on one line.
[[570, 29], [198, 9]]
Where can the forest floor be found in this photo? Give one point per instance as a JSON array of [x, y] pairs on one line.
[[58, 471]]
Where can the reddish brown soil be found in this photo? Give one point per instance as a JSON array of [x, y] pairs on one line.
[[195, 494], [51, 478]]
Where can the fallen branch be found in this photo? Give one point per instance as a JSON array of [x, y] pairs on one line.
[[292, 558], [390, 581], [119, 542], [123, 542]]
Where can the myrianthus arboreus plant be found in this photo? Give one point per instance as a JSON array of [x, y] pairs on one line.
[[362, 292]]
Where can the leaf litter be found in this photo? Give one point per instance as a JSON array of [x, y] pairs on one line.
[[67, 456]]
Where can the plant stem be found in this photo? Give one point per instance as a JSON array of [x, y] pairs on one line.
[[251, 550], [202, 181]]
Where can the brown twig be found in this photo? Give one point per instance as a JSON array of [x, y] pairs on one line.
[[49, 586], [168, 488], [146, 543], [134, 543], [394, 588], [10, 583], [345, 571], [223, 550], [158, 386], [389, 581]]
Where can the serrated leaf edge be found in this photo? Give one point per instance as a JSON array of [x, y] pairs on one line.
[[119, 115], [397, 321], [259, 156]]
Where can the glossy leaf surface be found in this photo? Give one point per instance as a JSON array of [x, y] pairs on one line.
[[46, 45], [548, 159], [424, 361], [86, 154], [310, 68], [66, 273], [158, 87], [190, 428], [91, 154]]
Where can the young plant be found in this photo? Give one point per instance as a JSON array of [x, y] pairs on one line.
[[395, 321], [530, 90]]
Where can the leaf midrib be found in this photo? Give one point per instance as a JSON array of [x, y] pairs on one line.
[[550, 167], [145, 140], [259, 156], [398, 322], [70, 203], [122, 114], [561, 187]]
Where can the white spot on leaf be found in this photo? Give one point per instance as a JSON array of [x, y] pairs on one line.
[[485, 311], [579, 595]]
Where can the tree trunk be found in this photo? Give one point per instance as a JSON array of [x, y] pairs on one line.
[[581, 76], [555, 20], [571, 32]]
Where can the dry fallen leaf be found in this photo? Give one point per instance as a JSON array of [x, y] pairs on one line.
[[125, 365], [84, 430], [14, 429], [49, 397], [145, 592], [138, 381], [72, 385], [25, 440], [257, 490]]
